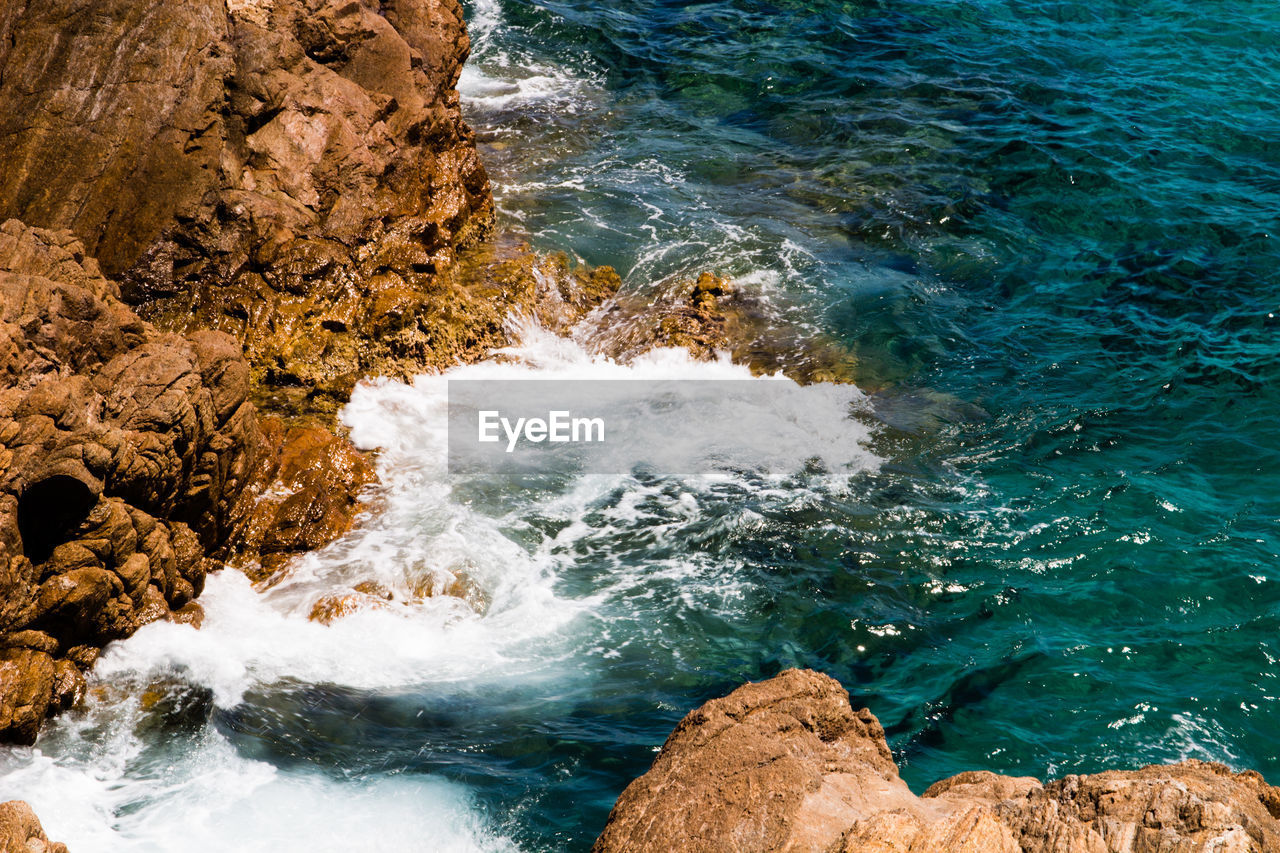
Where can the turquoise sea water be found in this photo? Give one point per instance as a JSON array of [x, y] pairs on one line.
[[1047, 231]]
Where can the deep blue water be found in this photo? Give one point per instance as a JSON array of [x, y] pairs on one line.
[[1047, 229]]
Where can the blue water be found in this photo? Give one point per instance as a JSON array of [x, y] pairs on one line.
[[1045, 230]]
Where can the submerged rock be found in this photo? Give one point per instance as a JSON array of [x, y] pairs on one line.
[[788, 765], [21, 832], [455, 581], [334, 606], [456, 585], [711, 317]]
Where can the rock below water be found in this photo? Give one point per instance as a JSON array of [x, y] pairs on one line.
[[711, 317], [788, 765]]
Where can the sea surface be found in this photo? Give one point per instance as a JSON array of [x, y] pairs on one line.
[[1044, 230]]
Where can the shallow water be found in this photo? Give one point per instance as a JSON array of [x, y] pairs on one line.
[[1047, 231]]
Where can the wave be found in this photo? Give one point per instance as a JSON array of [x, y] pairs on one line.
[[104, 778]]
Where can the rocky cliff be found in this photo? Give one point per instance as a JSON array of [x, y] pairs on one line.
[[211, 204], [131, 464], [295, 173], [123, 451], [207, 202], [788, 765]]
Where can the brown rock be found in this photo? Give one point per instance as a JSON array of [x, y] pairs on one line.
[[21, 832], [331, 608], [190, 613], [374, 589], [68, 686], [134, 573], [427, 583], [307, 498], [284, 189], [710, 317], [283, 171], [35, 640], [153, 607], [772, 766], [788, 765], [128, 459], [84, 604], [83, 656], [26, 689]]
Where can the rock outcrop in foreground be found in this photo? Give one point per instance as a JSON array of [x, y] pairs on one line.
[[20, 831], [788, 765]]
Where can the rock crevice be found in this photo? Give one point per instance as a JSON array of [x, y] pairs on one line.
[[122, 453]]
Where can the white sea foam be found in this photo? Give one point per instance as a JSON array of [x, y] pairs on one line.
[[209, 798], [495, 78], [521, 85], [93, 787]]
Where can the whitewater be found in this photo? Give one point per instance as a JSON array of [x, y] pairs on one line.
[[107, 779], [1039, 540]]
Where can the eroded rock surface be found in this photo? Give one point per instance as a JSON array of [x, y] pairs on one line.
[[122, 451], [306, 496], [21, 832], [282, 189], [292, 172], [129, 461], [788, 765]]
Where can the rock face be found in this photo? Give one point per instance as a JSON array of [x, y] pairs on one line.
[[123, 452], [293, 172], [20, 831], [281, 189], [129, 459], [305, 497], [788, 765]]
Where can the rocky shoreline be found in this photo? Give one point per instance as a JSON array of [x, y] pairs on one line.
[[180, 231], [788, 765], [218, 216], [250, 206]]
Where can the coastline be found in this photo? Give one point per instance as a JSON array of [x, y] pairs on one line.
[[255, 280], [287, 295], [788, 765]]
